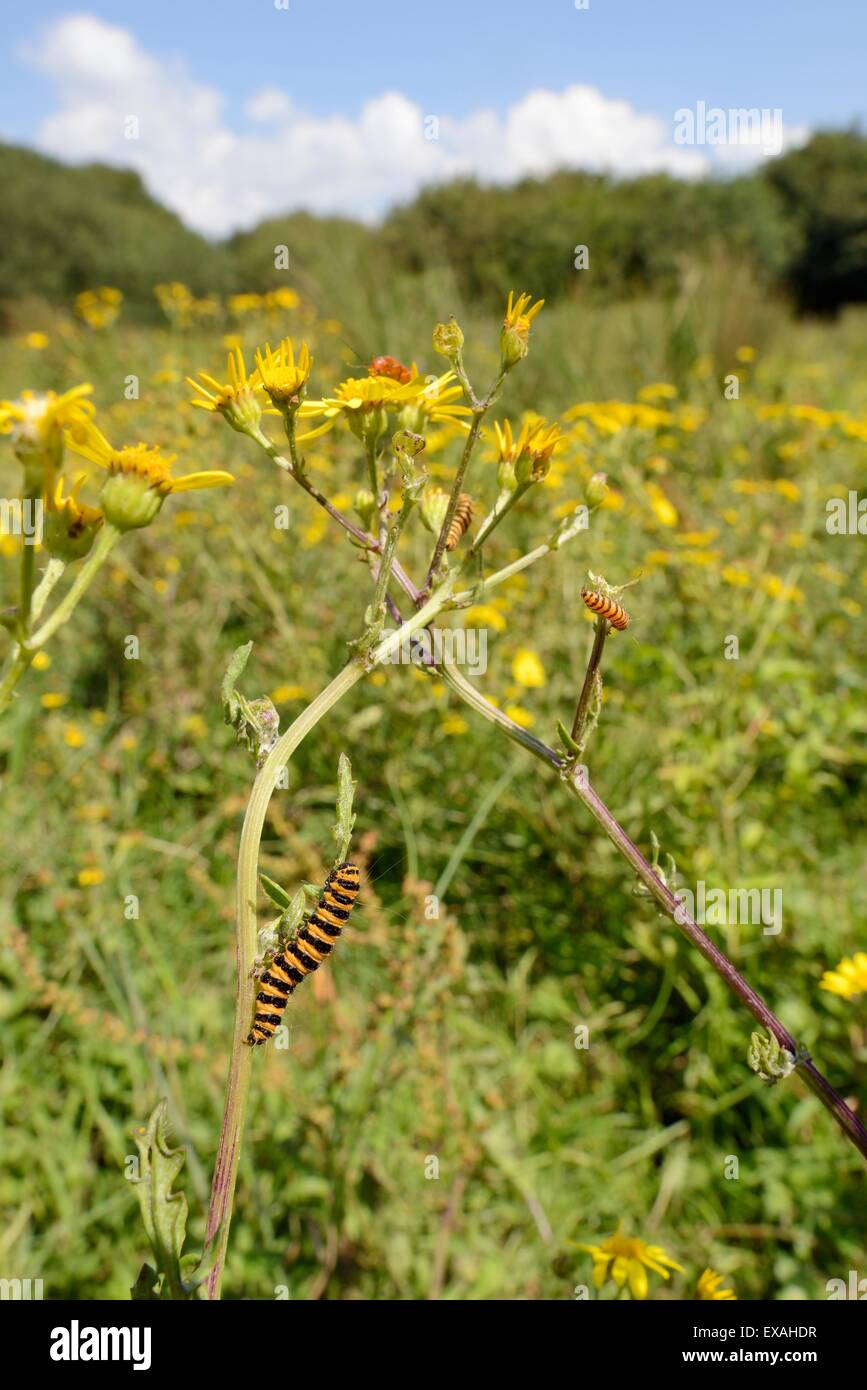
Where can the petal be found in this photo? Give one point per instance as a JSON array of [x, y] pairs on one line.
[[191, 482], [637, 1279], [314, 434], [620, 1271]]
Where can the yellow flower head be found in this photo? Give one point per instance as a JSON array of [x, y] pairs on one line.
[[626, 1259], [850, 977], [140, 477], [100, 307], [709, 1287], [235, 399], [364, 403], [525, 457], [515, 334], [70, 525], [284, 377], [527, 669], [36, 423]]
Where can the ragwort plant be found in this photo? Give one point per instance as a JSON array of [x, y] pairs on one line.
[[389, 411], [397, 489]]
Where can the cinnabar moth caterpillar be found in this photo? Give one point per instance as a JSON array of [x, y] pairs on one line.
[[305, 953], [461, 520], [606, 608]]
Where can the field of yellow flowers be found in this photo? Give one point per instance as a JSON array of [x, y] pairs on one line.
[[640, 1156]]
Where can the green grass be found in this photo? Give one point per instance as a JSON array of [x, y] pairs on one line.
[[453, 1038]]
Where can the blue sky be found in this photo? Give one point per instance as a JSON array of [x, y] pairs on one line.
[[70, 71]]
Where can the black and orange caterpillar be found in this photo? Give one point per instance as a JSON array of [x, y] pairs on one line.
[[305, 953], [606, 608], [461, 520], [389, 366]]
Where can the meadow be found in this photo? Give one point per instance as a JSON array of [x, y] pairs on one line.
[[453, 1038]]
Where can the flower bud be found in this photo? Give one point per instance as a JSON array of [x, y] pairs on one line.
[[596, 490], [515, 333], [434, 505], [70, 526], [365, 508], [448, 339]]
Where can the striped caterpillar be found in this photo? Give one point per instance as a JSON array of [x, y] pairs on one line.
[[460, 522], [606, 608], [305, 953]]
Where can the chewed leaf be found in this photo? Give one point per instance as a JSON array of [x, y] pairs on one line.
[[164, 1212]]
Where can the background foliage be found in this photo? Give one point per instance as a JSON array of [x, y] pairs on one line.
[[454, 1037]]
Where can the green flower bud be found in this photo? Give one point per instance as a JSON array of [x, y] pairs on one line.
[[434, 505], [448, 339], [365, 508], [129, 501], [596, 490]]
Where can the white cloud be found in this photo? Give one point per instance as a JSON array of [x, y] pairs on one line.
[[269, 104], [218, 178]]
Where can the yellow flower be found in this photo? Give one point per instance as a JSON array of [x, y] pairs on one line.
[[849, 978], [364, 402], [740, 578], [525, 457], [284, 378], [663, 510], [657, 391], [70, 525], [709, 1287], [485, 615], [73, 737], [515, 334], [626, 1259], [36, 422], [53, 699], [41, 661], [520, 716], [283, 298], [288, 692], [746, 354], [89, 878], [139, 478], [36, 341], [454, 724], [100, 307], [235, 399], [527, 669]]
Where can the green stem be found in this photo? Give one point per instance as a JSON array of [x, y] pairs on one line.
[[238, 1086], [363, 538], [16, 664], [21, 655], [103, 546], [372, 473], [479, 409], [51, 574]]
